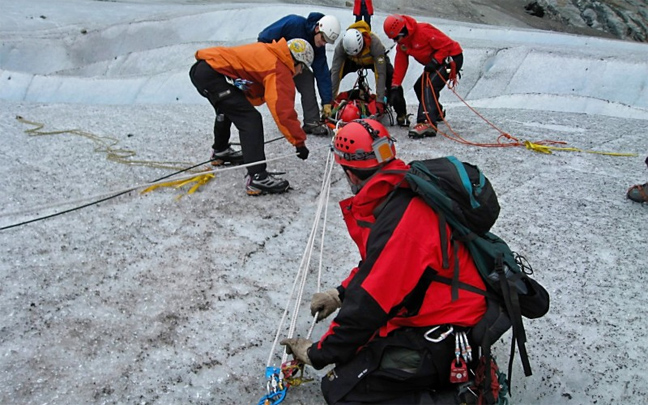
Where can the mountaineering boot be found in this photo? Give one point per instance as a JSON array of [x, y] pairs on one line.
[[227, 156], [403, 120], [265, 183], [421, 130], [316, 128], [441, 116], [639, 193]]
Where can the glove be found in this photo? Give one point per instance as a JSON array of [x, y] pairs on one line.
[[298, 347], [380, 108], [325, 303], [433, 66], [326, 111], [302, 152], [396, 96]]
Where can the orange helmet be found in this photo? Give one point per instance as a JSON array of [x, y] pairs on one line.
[[363, 144], [393, 25]]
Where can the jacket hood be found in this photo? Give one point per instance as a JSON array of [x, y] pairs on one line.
[[281, 50], [379, 187], [312, 19], [410, 24], [361, 26]]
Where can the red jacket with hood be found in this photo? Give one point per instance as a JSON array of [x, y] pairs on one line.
[[423, 42], [395, 248]]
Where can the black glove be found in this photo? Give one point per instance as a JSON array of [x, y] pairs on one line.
[[433, 66], [302, 152], [396, 96]]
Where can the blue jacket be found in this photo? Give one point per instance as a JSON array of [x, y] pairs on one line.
[[295, 26]]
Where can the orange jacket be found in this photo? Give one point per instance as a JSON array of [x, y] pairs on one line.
[[270, 68]]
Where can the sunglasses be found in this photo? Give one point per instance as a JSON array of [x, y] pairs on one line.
[[401, 34], [325, 38]]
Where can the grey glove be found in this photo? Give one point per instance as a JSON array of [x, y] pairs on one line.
[[298, 347], [325, 303]]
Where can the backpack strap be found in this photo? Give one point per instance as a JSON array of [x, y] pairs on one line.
[[512, 305]]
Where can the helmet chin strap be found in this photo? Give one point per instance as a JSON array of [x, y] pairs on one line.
[[356, 183], [355, 188]]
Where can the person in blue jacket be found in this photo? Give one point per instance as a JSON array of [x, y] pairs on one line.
[[318, 29]]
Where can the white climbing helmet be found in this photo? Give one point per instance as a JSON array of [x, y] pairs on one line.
[[352, 42], [330, 28], [302, 51]]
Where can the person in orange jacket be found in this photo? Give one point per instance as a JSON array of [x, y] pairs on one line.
[[363, 10], [235, 80], [392, 338], [437, 52]]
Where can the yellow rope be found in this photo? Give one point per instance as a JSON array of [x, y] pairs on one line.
[[547, 150], [103, 144], [200, 180]]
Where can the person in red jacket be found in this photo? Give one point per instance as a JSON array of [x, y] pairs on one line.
[[393, 336], [235, 80], [363, 10], [442, 58]]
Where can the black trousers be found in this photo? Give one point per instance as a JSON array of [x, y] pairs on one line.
[[426, 95], [402, 368], [364, 14], [397, 102], [231, 106]]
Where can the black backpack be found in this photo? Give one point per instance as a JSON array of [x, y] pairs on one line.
[[464, 198]]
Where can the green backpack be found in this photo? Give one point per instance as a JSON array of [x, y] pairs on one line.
[[464, 198]]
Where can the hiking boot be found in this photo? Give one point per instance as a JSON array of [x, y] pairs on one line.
[[639, 193], [403, 120], [316, 128], [265, 183], [227, 156], [421, 130]]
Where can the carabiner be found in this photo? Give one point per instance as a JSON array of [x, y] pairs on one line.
[[441, 337]]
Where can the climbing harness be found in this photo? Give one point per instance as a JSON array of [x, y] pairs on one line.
[[279, 379], [241, 84]]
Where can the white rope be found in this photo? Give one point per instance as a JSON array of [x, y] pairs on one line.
[[302, 272], [329, 165]]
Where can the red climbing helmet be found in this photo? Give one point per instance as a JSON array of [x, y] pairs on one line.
[[363, 144], [350, 112], [393, 25]]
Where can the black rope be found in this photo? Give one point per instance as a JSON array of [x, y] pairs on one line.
[[100, 200]]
